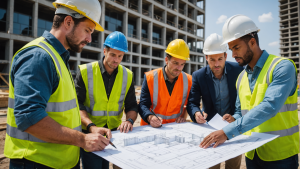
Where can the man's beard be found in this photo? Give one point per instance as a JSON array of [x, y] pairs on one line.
[[172, 72], [71, 40], [247, 57]]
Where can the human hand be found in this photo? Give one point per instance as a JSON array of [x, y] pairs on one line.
[[199, 118], [228, 118], [101, 130], [95, 142], [154, 121], [125, 127], [180, 120], [217, 137]]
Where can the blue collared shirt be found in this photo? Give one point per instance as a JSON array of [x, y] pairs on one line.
[[34, 77], [221, 93], [283, 85]]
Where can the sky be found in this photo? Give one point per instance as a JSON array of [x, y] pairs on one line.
[[264, 13]]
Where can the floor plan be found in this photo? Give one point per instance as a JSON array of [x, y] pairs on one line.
[[175, 146]]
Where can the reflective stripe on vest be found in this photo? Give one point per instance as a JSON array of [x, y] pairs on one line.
[[284, 108], [155, 95], [91, 93], [16, 133], [51, 106]]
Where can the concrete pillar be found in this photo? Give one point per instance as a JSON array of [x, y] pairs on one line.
[[78, 56], [163, 36], [150, 51], [185, 9], [175, 20], [185, 25], [125, 23], [102, 23], [185, 38], [10, 16], [165, 2], [139, 82], [175, 35], [176, 5], [164, 16], [35, 14], [151, 10], [150, 30], [139, 28], [194, 14], [9, 53], [194, 27], [126, 2], [140, 6]]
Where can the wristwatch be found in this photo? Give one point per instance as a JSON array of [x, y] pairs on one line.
[[90, 125], [130, 120]]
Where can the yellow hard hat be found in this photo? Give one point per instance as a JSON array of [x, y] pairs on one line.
[[90, 9], [178, 49]]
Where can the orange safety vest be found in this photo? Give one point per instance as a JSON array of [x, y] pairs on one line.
[[165, 106]]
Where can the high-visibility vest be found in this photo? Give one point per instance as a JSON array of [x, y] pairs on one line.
[[103, 110], [284, 123], [165, 106], [62, 107]]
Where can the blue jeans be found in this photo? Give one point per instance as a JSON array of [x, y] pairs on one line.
[[27, 164], [257, 163], [92, 161]]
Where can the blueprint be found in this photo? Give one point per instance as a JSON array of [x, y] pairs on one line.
[[175, 146]]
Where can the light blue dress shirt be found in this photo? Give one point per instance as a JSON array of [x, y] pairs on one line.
[[222, 94], [283, 85]]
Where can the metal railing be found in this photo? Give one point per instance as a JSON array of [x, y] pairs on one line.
[[159, 18], [159, 1], [170, 23], [190, 30], [132, 35], [181, 11], [146, 13], [193, 49], [181, 27], [157, 41], [190, 15], [119, 2], [145, 37], [133, 7], [93, 44]]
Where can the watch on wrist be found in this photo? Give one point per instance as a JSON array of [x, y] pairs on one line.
[[90, 125], [130, 120]]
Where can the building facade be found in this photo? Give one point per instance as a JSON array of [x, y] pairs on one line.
[[289, 29], [149, 26]]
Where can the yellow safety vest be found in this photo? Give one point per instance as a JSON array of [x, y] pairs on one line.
[[284, 123], [103, 110], [62, 106]]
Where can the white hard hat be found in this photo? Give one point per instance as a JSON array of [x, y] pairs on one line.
[[236, 27], [212, 45], [90, 9]]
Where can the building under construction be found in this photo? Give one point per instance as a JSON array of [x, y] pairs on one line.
[[149, 26], [289, 29]]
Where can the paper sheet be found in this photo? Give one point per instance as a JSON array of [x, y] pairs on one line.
[[175, 146], [217, 122]]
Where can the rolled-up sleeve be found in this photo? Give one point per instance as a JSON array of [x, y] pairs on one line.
[[193, 104], [145, 101], [33, 79], [283, 85]]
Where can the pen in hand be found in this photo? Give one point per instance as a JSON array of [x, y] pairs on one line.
[[151, 110]]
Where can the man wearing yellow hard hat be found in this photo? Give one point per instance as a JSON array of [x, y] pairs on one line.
[[43, 120], [165, 90]]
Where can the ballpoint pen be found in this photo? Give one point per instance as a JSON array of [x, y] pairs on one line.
[[203, 117], [151, 110], [112, 144]]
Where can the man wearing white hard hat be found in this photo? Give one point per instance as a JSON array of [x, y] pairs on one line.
[[266, 101], [43, 119], [215, 84]]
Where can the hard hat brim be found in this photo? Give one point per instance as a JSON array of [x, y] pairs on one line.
[[177, 56], [98, 27], [213, 53], [235, 38]]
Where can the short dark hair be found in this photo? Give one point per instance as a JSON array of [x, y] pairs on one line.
[[106, 48], [169, 56], [59, 18], [248, 37]]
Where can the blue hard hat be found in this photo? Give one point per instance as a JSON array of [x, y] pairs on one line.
[[117, 40]]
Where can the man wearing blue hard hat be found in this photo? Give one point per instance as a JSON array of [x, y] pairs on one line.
[[104, 88]]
